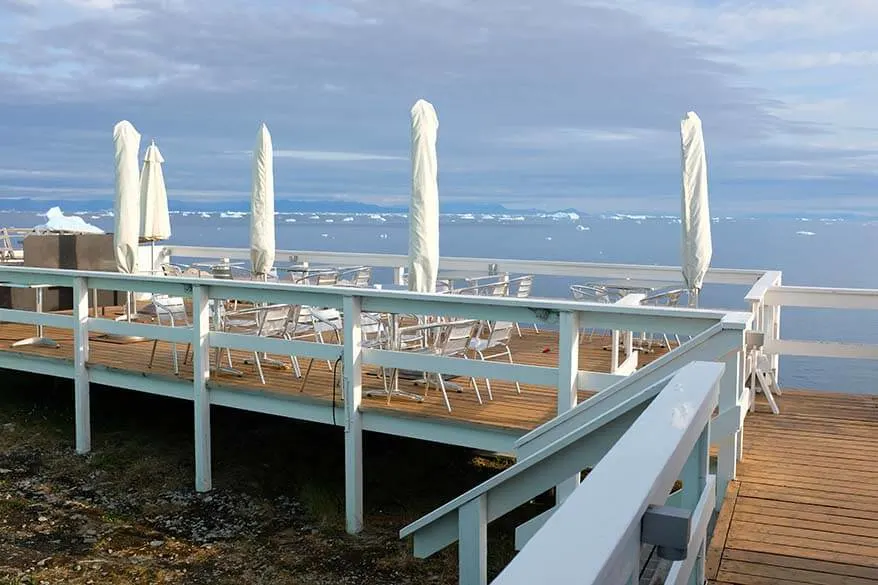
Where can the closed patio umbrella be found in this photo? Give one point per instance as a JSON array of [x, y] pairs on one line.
[[424, 207], [155, 221], [262, 244], [697, 247], [126, 208]]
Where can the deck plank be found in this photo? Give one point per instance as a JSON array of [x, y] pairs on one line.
[[806, 510]]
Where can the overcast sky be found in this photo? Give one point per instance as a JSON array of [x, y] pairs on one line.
[[542, 103]]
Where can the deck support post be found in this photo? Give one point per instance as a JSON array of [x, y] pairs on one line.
[[568, 372], [200, 377], [472, 523], [81, 393], [730, 393], [352, 378]]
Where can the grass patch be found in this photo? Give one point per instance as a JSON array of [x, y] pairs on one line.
[[324, 504]]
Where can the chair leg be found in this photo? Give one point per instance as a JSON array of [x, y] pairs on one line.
[[445, 394], [294, 364], [536, 328], [518, 329], [259, 367], [186, 355], [152, 355], [307, 373], [509, 355], [174, 355], [487, 381]]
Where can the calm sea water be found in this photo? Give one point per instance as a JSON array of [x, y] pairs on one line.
[[828, 252]]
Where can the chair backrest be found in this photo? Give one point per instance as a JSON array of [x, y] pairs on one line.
[[587, 292], [172, 270], [363, 277], [498, 289], [273, 320], [170, 310], [372, 327], [500, 333], [455, 338], [525, 284], [667, 298], [327, 278]]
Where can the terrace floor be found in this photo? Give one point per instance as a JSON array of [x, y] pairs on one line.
[[508, 410], [805, 506]]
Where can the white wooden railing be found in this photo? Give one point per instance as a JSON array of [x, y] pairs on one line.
[[566, 378], [398, 262], [596, 534], [818, 298]]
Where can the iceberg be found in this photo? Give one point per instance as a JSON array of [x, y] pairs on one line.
[[804, 233], [56, 221], [582, 228], [348, 219]]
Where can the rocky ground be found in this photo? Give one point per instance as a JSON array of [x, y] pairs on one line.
[[127, 512]]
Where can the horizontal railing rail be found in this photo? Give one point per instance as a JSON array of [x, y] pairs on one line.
[[819, 298], [638, 452], [727, 276]]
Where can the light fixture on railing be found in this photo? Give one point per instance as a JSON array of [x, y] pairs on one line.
[[667, 528]]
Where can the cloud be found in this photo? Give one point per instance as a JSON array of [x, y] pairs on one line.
[[535, 99], [333, 156]]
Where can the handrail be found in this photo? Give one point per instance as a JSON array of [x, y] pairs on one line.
[[733, 276], [669, 440], [819, 298], [713, 344], [584, 446]]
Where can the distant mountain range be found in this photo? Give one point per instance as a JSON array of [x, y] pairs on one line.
[[281, 205]]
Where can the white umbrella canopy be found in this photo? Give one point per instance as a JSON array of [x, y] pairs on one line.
[[155, 221], [424, 207], [126, 209], [697, 245], [262, 245]]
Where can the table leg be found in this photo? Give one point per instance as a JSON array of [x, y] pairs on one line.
[[393, 389], [40, 340]]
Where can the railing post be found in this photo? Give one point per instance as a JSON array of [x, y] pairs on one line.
[[399, 275], [775, 334], [568, 373], [352, 377], [731, 386], [694, 478], [472, 543], [200, 377], [81, 394]]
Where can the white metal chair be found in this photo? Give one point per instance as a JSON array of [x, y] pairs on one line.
[[494, 345], [265, 321], [593, 294], [525, 285], [451, 339], [664, 298], [360, 277], [169, 311]]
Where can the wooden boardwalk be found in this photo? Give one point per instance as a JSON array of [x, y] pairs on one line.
[[805, 506], [508, 410]]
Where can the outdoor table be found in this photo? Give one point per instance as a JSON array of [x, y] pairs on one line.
[[40, 340]]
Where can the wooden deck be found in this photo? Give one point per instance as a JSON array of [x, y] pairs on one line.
[[805, 506], [508, 410]]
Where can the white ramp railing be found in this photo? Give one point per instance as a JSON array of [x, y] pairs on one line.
[[639, 471], [596, 535]]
